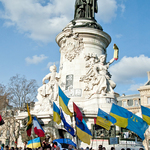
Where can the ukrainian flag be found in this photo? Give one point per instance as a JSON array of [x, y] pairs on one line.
[[34, 143], [63, 102], [83, 132], [121, 115], [146, 114], [104, 120], [56, 114], [137, 125]]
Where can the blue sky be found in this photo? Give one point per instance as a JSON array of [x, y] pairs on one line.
[[28, 29]]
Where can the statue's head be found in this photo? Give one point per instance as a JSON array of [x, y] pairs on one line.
[[53, 68], [102, 58]]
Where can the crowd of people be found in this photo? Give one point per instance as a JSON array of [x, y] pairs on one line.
[[56, 146]]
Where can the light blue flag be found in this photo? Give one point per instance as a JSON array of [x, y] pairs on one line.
[[137, 125]]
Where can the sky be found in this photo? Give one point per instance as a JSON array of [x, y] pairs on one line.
[[28, 29]]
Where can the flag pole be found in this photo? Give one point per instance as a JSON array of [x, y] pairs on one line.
[[76, 132]]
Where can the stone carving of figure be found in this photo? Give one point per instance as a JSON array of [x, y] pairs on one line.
[[102, 82], [51, 88], [91, 8], [85, 9], [97, 79], [79, 9]]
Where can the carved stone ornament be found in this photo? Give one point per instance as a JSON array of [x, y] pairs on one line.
[[71, 46], [97, 78]]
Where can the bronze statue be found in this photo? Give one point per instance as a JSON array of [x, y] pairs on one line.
[[85, 9]]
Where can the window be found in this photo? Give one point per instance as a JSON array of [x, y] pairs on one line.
[[130, 102], [124, 104], [139, 101], [136, 103], [12, 143], [119, 103], [148, 100]]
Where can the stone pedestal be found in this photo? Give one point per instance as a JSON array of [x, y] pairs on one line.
[[77, 40]]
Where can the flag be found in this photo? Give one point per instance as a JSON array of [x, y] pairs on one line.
[[105, 120], [56, 114], [146, 114], [82, 131], [77, 112], [1, 120], [66, 125], [121, 115], [96, 127], [34, 143], [38, 128], [63, 102], [137, 125], [116, 51], [29, 124]]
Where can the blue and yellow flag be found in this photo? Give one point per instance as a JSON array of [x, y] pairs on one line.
[[66, 125], [82, 131], [121, 115], [146, 114], [56, 114], [104, 120], [34, 143], [137, 125], [63, 102]]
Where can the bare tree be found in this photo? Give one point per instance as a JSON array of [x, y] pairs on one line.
[[3, 97], [21, 90]]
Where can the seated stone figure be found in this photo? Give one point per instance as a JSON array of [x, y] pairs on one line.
[[50, 89]]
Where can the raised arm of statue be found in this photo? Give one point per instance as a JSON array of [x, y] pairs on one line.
[[47, 77]]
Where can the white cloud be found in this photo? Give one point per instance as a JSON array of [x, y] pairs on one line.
[[122, 6], [107, 10], [37, 21], [130, 68], [118, 36], [43, 20], [35, 59], [134, 87], [52, 63]]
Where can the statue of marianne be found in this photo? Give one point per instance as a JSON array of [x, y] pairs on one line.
[[85, 9]]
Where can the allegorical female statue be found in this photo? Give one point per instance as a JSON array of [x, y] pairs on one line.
[[97, 79], [85, 9]]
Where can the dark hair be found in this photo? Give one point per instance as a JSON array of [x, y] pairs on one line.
[[12, 148], [112, 148], [122, 149], [55, 143], [128, 149]]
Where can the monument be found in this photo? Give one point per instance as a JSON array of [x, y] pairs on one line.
[[83, 73]]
